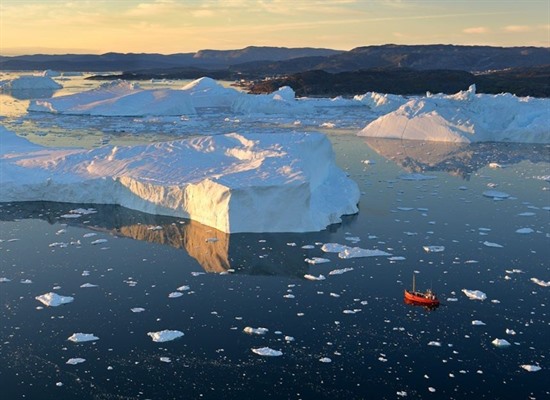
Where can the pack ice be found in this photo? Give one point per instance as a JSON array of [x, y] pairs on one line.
[[234, 183], [466, 117]]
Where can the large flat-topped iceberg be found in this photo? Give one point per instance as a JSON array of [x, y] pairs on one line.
[[235, 183], [466, 117]]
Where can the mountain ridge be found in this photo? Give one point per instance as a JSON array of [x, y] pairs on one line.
[[258, 60]]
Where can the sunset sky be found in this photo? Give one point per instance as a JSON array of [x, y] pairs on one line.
[[177, 26]]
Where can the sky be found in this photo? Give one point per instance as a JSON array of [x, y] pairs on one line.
[[181, 26]]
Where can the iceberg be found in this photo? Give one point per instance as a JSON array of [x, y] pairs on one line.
[[53, 299], [433, 249], [525, 231], [255, 331], [82, 337], [29, 82], [310, 277], [531, 368], [266, 351], [474, 294], [118, 98], [75, 361], [501, 343], [358, 252], [122, 98], [540, 282], [466, 117], [235, 183], [382, 103], [316, 260], [495, 194], [165, 335], [491, 244], [346, 252]]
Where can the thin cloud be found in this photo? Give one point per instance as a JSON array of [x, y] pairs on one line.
[[518, 28], [477, 30], [203, 13]]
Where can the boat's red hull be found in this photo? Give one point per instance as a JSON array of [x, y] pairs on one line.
[[419, 298]]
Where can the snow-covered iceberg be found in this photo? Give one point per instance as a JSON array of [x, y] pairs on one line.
[[466, 117], [266, 351], [234, 183], [29, 82], [166, 335], [118, 98], [474, 294], [501, 343], [52, 299], [82, 337], [122, 98]]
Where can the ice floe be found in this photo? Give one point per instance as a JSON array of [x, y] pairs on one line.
[[466, 117], [416, 177], [288, 182], [495, 194], [82, 337], [255, 331], [165, 335], [541, 282], [531, 368], [75, 361], [340, 271], [266, 351], [88, 285], [491, 244], [477, 322], [52, 299], [316, 260], [525, 231], [433, 249], [357, 252], [501, 343], [315, 278], [346, 252], [474, 294]]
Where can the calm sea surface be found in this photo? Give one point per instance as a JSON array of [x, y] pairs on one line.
[[350, 336]]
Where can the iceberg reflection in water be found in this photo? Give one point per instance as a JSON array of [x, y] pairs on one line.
[[214, 250], [457, 159]]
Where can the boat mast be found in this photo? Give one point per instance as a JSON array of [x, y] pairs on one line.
[[414, 283]]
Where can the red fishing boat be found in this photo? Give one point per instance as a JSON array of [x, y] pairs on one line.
[[427, 298]]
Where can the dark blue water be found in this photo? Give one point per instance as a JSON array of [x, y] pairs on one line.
[[378, 345]]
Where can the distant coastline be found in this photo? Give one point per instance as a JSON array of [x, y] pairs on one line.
[[397, 69]]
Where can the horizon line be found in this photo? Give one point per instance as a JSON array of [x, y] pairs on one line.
[[19, 52]]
